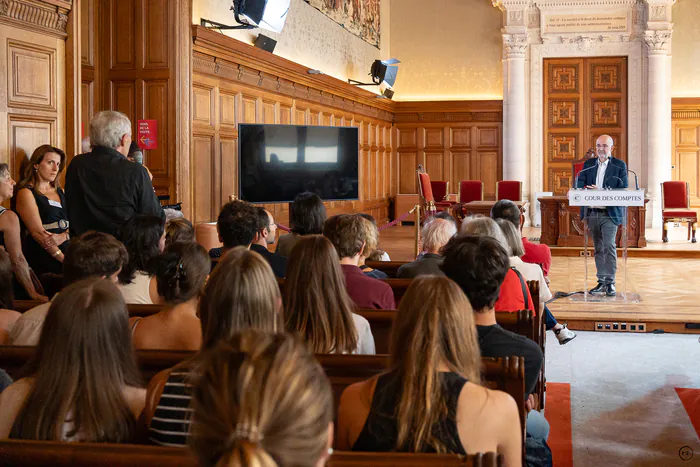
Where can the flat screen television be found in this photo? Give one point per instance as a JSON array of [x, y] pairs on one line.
[[277, 162]]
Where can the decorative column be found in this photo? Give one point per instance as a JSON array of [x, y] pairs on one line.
[[659, 156], [515, 143]]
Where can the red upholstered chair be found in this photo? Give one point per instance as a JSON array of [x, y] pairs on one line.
[[509, 189], [675, 207], [577, 166], [441, 190], [425, 189], [471, 190]]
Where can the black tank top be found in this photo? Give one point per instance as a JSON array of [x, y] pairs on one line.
[[380, 433], [2, 234], [49, 211]]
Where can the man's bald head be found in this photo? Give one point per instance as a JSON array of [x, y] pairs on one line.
[[603, 147]]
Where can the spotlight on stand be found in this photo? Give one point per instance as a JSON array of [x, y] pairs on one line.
[[383, 73], [251, 14]]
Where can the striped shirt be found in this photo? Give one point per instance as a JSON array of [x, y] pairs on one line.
[[171, 420]]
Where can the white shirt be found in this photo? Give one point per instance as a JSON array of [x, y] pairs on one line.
[[365, 339], [600, 177]]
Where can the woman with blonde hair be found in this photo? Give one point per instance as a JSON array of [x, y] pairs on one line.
[[83, 382], [261, 400], [371, 247], [241, 293], [41, 204], [431, 400], [316, 304]]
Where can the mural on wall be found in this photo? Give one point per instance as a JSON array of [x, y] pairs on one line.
[[359, 17]]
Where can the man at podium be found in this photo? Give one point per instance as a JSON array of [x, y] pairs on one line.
[[603, 172]]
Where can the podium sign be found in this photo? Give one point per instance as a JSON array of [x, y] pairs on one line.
[[624, 198]]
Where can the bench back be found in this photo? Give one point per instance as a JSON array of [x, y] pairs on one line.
[[20, 453]]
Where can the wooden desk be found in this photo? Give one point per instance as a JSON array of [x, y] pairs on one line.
[[562, 226]]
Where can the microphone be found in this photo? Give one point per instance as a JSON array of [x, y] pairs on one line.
[[594, 166], [636, 180], [615, 176]]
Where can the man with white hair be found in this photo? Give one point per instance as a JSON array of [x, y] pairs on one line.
[[435, 234], [103, 188]]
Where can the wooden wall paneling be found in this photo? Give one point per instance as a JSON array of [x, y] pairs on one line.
[[122, 30], [33, 88], [685, 121], [202, 177], [91, 95]]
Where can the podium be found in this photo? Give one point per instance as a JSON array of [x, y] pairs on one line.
[[592, 203]]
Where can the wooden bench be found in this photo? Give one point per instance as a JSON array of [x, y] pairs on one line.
[[506, 374], [19, 453], [399, 286], [390, 268]]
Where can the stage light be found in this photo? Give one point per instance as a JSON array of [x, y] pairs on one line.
[[251, 14], [383, 73]]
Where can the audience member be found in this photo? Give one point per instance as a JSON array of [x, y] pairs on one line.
[[435, 235], [92, 255], [534, 253], [431, 399], [262, 400], [179, 230], [347, 234], [307, 214], [479, 266], [378, 254], [237, 225], [41, 206], [371, 241], [267, 235], [532, 272], [103, 188], [144, 239], [181, 272], [514, 294], [241, 293], [84, 384], [317, 306], [10, 239], [448, 217], [8, 316]]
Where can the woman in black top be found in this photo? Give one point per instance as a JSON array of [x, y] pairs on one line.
[[430, 400], [41, 205]]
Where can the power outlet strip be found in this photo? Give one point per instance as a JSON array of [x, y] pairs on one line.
[[611, 326], [588, 253]]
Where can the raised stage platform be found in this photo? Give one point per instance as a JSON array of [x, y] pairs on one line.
[[665, 275]]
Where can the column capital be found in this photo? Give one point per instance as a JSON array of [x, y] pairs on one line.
[[515, 45], [658, 41]]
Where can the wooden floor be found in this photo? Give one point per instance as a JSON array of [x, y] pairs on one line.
[[669, 288]]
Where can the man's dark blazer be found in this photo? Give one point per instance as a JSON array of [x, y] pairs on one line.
[[615, 178], [277, 262]]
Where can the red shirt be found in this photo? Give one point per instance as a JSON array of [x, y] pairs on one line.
[[511, 296], [537, 254], [366, 291]]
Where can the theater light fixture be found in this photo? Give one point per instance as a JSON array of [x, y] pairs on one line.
[[383, 73], [251, 14]]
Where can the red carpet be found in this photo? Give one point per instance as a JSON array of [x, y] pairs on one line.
[[558, 413], [691, 402]]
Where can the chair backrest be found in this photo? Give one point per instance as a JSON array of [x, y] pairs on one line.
[[207, 235], [509, 189], [21, 453], [390, 268], [577, 166], [471, 190], [398, 286], [425, 187], [440, 189], [675, 195]]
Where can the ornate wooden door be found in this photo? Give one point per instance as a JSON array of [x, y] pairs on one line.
[[583, 98]]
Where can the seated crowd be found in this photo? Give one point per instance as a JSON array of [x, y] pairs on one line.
[[251, 390]]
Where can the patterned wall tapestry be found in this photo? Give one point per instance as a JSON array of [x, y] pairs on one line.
[[360, 17]]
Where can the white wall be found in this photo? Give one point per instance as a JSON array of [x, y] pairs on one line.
[[309, 38]]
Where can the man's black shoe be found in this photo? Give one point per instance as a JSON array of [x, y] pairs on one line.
[[610, 290], [600, 288]]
